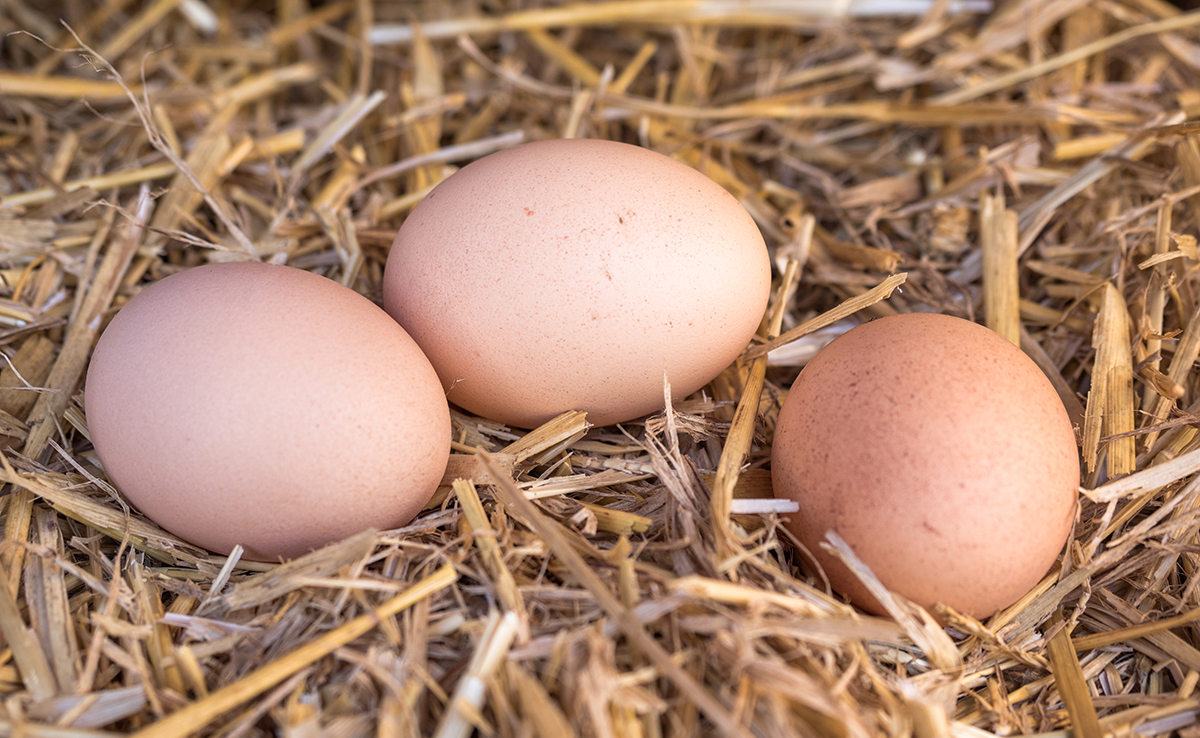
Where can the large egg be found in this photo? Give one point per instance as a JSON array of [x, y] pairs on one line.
[[570, 275], [939, 452], [265, 406]]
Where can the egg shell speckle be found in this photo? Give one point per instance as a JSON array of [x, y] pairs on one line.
[[569, 274], [265, 406], [939, 452]]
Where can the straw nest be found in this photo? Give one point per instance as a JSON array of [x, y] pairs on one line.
[[1031, 166]]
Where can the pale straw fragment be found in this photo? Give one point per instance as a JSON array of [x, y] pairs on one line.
[[20, 84], [463, 714], [1110, 401], [36, 672], [1154, 477], [1001, 286], [351, 114], [1152, 320], [764, 12], [1072, 687], [547, 440], [851, 306]]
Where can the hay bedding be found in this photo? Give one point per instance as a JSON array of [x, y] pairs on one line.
[[1031, 166]]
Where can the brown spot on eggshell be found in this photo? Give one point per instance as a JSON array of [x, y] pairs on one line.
[[939, 452]]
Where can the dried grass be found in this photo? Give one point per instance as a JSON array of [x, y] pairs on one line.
[[1033, 167]]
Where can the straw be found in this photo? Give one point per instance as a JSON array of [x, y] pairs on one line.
[[1032, 165]]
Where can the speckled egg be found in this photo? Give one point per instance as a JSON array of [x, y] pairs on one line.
[[939, 452], [570, 275], [265, 406]]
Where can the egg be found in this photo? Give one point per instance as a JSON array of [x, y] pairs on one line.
[[939, 452], [266, 406], [571, 275]]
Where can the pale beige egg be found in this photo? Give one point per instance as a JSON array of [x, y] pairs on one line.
[[265, 406], [939, 452], [571, 275]]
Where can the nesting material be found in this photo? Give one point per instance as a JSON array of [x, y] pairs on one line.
[[1032, 166]]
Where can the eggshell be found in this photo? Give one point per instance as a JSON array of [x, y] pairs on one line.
[[939, 452], [265, 406], [569, 274]]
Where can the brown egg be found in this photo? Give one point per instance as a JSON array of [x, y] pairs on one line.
[[939, 452], [265, 406], [570, 274]]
